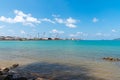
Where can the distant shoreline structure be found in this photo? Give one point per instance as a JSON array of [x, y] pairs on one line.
[[117, 39], [14, 38], [8, 38]]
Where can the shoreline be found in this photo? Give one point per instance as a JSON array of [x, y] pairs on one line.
[[94, 69], [44, 71]]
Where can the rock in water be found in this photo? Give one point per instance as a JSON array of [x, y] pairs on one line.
[[111, 59], [14, 66]]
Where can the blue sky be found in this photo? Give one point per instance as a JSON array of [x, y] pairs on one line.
[[86, 19]]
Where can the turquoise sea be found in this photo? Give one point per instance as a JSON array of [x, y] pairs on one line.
[[85, 53]]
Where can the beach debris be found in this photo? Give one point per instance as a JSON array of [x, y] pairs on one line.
[[111, 59]]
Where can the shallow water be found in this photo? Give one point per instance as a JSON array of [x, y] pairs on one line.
[[87, 54]]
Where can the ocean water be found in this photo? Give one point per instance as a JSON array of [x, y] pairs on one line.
[[85, 53]]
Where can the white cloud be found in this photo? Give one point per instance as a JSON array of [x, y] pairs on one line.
[[10, 30], [71, 25], [69, 22], [20, 17], [113, 30], [95, 20], [72, 35], [4, 19], [99, 34], [34, 30], [22, 32], [56, 31], [59, 20], [28, 19], [48, 20], [2, 26], [78, 34], [55, 15], [102, 34], [20, 13]]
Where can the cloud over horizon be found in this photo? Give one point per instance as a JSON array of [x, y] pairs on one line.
[[94, 20], [78, 34], [113, 30], [28, 19], [69, 22], [56, 31], [20, 17]]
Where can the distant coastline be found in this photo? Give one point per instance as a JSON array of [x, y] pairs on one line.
[[13, 38], [9, 38], [117, 39]]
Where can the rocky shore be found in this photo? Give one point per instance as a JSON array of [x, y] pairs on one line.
[[111, 59], [46, 71], [8, 73]]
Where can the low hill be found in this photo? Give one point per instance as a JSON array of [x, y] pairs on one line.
[[117, 39]]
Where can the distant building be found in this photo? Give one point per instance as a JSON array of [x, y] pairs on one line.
[[44, 38], [49, 38], [56, 39], [9, 38], [2, 37], [72, 39], [22, 39]]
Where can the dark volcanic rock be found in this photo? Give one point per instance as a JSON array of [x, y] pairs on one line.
[[111, 59], [21, 78], [6, 70], [14, 66], [9, 77]]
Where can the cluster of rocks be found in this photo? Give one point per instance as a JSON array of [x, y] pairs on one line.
[[111, 59], [9, 74]]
